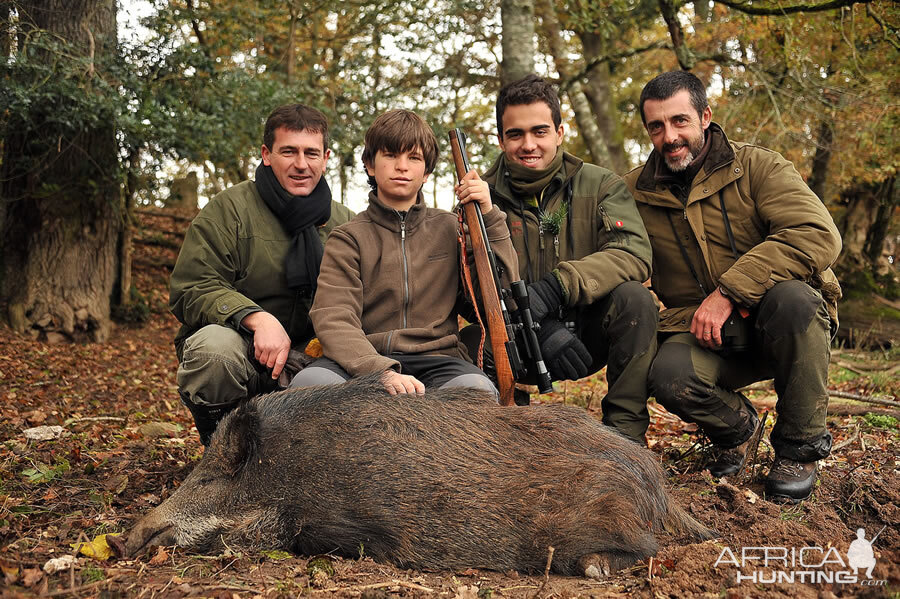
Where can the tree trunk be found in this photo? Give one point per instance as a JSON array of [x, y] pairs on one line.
[[584, 118], [6, 30], [818, 177], [60, 237], [517, 41], [874, 248], [865, 227], [600, 93]]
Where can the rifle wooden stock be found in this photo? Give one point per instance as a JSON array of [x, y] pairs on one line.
[[490, 293]]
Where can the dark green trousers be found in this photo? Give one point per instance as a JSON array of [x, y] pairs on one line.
[[790, 342], [620, 333]]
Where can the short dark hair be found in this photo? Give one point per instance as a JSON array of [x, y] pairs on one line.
[[668, 84], [295, 117], [400, 131], [528, 90]]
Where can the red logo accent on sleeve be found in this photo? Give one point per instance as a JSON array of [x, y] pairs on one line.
[[620, 223]]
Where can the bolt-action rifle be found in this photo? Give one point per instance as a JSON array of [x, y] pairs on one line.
[[503, 331]]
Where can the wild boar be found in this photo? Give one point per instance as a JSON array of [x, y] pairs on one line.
[[443, 480]]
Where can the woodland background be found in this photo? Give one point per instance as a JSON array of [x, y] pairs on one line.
[[107, 140], [89, 122]]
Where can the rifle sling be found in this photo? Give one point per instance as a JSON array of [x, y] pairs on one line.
[[469, 287]]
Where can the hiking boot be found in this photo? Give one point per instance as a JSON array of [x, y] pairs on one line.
[[790, 481], [726, 462]]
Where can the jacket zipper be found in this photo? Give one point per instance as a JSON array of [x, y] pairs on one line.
[[607, 224], [405, 310]]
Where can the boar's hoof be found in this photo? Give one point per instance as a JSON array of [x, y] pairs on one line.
[[594, 566]]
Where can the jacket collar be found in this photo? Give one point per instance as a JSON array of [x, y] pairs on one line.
[[720, 154], [390, 218], [498, 178]]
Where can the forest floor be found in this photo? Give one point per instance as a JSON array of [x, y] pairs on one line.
[[126, 442]]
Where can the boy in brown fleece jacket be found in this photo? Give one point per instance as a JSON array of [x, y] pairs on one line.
[[389, 285]]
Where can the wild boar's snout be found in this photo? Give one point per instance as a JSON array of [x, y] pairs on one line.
[[150, 530]]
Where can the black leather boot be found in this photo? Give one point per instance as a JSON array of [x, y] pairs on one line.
[[726, 462], [206, 418], [791, 481]]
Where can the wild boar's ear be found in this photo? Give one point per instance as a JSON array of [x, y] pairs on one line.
[[240, 438]]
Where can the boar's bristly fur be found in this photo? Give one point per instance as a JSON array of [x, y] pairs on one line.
[[443, 480]]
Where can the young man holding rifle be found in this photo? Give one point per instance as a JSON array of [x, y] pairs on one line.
[[583, 251]]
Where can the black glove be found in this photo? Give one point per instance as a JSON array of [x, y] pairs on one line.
[[545, 296], [565, 355]]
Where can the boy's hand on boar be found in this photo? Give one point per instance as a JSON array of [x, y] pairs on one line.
[[396, 383]]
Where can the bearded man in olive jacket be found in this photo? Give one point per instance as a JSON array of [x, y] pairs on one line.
[[741, 256], [583, 251], [246, 275]]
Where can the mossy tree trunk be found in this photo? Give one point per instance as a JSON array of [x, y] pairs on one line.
[[59, 237], [517, 40], [866, 222]]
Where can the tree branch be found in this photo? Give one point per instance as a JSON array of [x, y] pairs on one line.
[[747, 8], [669, 12], [195, 24], [889, 32], [588, 66]]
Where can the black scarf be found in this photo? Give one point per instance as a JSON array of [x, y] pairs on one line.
[[300, 216], [680, 183]]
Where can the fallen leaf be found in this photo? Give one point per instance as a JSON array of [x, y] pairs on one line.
[[31, 576], [58, 564], [314, 348], [10, 572], [750, 495], [160, 558], [98, 549], [36, 417]]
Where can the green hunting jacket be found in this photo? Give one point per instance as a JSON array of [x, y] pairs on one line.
[[601, 241], [781, 229], [232, 264]]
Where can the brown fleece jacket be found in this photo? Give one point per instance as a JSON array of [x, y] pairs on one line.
[[389, 283]]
